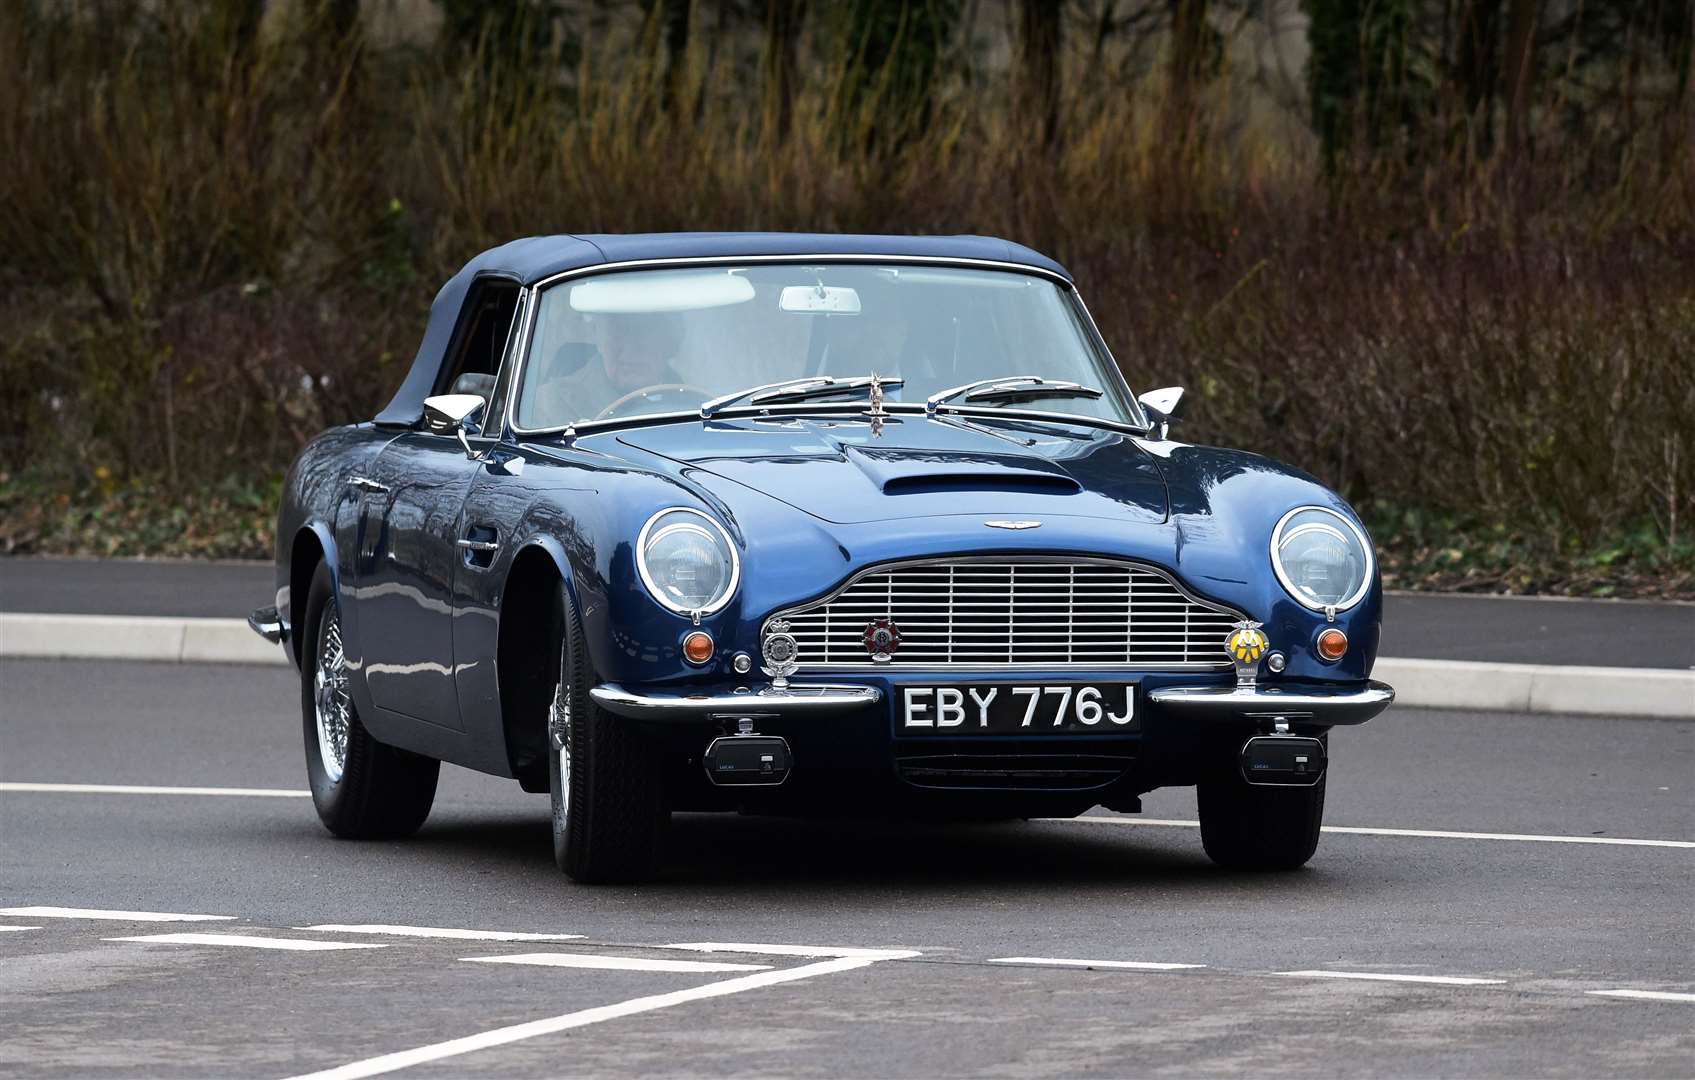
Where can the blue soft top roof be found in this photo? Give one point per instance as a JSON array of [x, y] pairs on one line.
[[536, 258]]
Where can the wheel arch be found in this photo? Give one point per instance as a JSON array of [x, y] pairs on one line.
[[312, 543], [527, 653]]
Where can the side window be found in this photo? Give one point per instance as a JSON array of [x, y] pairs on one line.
[[479, 341]]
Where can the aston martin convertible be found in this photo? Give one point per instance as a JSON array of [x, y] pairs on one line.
[[807, 524]]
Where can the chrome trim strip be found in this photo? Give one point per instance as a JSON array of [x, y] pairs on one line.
[[1051, 559], [538, 286], [809, 257], [1289, 586], [842, 408], [1352, 705], [806, 699]]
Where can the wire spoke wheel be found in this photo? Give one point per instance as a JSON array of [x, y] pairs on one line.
[[559, 744], [333, 706]]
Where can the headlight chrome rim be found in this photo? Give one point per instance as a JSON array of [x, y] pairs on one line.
[[1366, 577], [652, 586]]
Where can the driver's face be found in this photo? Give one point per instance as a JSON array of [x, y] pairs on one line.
[[635, 351]]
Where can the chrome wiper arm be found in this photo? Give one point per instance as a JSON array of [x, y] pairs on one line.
[[827, 386], [1011, 388], [792, 390]]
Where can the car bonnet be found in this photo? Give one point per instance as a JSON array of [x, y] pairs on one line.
[[844, 469]]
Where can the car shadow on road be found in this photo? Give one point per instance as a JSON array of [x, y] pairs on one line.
[[837, 857]]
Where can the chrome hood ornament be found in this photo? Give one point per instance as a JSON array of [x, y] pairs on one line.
[[1018, 526]]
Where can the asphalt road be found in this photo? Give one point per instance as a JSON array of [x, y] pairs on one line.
[[1546, 925], [1514, 630]]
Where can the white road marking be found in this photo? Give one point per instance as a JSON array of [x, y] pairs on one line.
[[1056, 961], [583, 1018], [436, 932], [1353, 830], [1644, 995], [138, 789], [1431, 834], [248, 941], [790, 950], [610, 963], [115, 916], [3, 929], [1385, 976]]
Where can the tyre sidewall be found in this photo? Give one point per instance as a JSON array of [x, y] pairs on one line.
[[330, 797]]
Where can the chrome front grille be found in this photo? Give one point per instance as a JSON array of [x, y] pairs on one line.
[[994, 613]]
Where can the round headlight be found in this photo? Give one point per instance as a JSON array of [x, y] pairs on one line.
[[687, 562], [1321, 557]]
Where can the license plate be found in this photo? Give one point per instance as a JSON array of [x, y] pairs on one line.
[[1036, 709]]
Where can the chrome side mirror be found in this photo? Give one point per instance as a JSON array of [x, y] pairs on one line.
[[455, 414], [1163, 406]]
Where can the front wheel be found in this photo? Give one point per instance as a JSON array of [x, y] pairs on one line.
[[1249, 827], [604, 780], [362, 789]]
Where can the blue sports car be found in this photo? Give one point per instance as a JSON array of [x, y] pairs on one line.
[[807, 524]]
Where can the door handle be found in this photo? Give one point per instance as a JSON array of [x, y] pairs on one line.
[[479, 545], [364, 483]]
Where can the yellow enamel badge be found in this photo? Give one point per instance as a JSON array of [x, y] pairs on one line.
[[1247, 643]]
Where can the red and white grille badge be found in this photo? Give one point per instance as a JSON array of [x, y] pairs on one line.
[[882, 637]]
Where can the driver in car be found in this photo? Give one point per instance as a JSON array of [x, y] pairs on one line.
[[630, 352]]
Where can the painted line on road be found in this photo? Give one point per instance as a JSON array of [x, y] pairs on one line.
[[1347, 830], [752, 949], [114, 916], [248, 941], [1643, 995], [1388, 976], [14, 929], [1430, 834], [583, 1018], [611, 963], [444, 932], [1056, 961], [139, 789]]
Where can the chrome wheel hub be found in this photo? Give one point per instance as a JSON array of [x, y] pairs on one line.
[[330, 699]]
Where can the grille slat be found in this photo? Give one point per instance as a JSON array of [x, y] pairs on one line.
[[1052, 613]]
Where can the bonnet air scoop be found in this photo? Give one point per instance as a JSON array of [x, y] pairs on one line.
[[837, 469], [907, 471]]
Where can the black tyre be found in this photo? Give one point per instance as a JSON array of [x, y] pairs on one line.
[[1244, 827], [608, 790], [362, 789]]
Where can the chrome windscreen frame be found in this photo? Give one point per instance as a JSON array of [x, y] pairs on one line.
[[1058, 558], [1125, 394]]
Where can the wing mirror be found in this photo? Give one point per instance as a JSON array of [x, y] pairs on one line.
[[455, 414], [1163, 406]]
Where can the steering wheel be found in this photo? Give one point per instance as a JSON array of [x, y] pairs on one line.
[[656, 388]]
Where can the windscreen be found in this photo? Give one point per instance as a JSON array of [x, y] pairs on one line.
[[644, 342]]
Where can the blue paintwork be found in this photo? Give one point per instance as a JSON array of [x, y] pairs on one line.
[[804, 501]]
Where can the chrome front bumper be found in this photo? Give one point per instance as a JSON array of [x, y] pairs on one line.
[[812, 700], [1351, 705]]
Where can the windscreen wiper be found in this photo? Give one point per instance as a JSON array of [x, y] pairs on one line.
[[792, 390], [1010, 388]]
